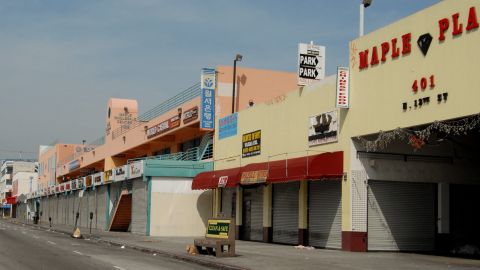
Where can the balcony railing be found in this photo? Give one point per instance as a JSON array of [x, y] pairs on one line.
[[184, 96]]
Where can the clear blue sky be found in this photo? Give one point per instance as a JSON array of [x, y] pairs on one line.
[[61, 60]]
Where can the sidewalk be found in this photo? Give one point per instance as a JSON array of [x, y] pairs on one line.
[[254, 255]]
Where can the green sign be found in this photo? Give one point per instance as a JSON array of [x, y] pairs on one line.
[[218, 228]]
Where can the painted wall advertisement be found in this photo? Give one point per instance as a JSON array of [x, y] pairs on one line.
[[343, 87], [323, 128], [207, 111], [311, 63], [251, 144], [228, 126], [135, 169]]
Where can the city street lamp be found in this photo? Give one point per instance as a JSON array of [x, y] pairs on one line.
[[238, 57], [363, 5]]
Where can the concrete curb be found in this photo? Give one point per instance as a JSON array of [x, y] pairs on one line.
[[192, 259]]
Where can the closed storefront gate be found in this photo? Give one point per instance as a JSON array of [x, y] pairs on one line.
[[464, 223], [401, 216], [285, 213], [101, 208], [252, 213], [325, 214], [139, 207], [229, 197]]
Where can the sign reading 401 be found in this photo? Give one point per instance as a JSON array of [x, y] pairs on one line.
[[311, 63]]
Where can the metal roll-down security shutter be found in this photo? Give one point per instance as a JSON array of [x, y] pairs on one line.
[[285, 213], [229, 201], [401, 216], [253, 213], [139, 206], [101, 207], [325, 214], [84, 202]]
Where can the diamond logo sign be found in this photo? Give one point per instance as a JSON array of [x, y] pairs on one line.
[[424, 42]]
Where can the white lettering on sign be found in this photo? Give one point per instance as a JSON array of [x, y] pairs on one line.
[[311, 63]]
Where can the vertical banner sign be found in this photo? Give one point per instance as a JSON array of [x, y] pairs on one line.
[[207, 112], [343, 87], [311, 63]]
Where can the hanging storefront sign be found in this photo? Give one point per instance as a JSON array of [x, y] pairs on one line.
[[98, 179], [120, 173], [68, 186], [228, 126], [88, 181], [343, 88], [323, 128], [75, 184], [164, 126], [251, 144], [207, 111], [190, 115], [81, 183], [311, 63], [254, 177], [107, 176], [135, 169]]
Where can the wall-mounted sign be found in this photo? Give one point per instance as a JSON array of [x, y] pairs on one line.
[[75, 164], [251, 143], [323, 128], [343, 87], [207, 110], [311, 63], [254, 177], [120, 173], [135, 169], [222, 181], [228, 126], [190, 115], [163, 127]]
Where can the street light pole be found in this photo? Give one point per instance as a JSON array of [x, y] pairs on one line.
[[363, 5], [238, 57]]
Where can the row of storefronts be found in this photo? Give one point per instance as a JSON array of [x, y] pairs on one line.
[[391, 168]]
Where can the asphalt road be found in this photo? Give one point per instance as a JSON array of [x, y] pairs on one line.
[[23, 247]]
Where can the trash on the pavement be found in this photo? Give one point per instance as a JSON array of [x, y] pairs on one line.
[[154, 254], [122, 247], [77, 234], [191, 249], [466, 250], [304, 247]]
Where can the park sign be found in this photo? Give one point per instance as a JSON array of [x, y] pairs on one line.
[[218, 228], [311, 63]]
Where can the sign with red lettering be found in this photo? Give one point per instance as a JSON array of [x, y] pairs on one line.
[[343, 87]]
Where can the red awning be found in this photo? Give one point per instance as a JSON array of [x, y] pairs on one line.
[[12, 200], [214, 179], [315, 167], [326, 165]]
